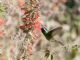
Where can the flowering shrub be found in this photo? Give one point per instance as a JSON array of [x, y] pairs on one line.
[[39, 30]]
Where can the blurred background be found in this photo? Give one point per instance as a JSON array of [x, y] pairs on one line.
[[60, 25]]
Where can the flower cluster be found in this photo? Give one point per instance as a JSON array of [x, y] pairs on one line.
[[30, 17], [30, 25]]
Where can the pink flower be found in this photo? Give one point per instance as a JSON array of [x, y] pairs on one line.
[[1, 21], [3, 58]]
